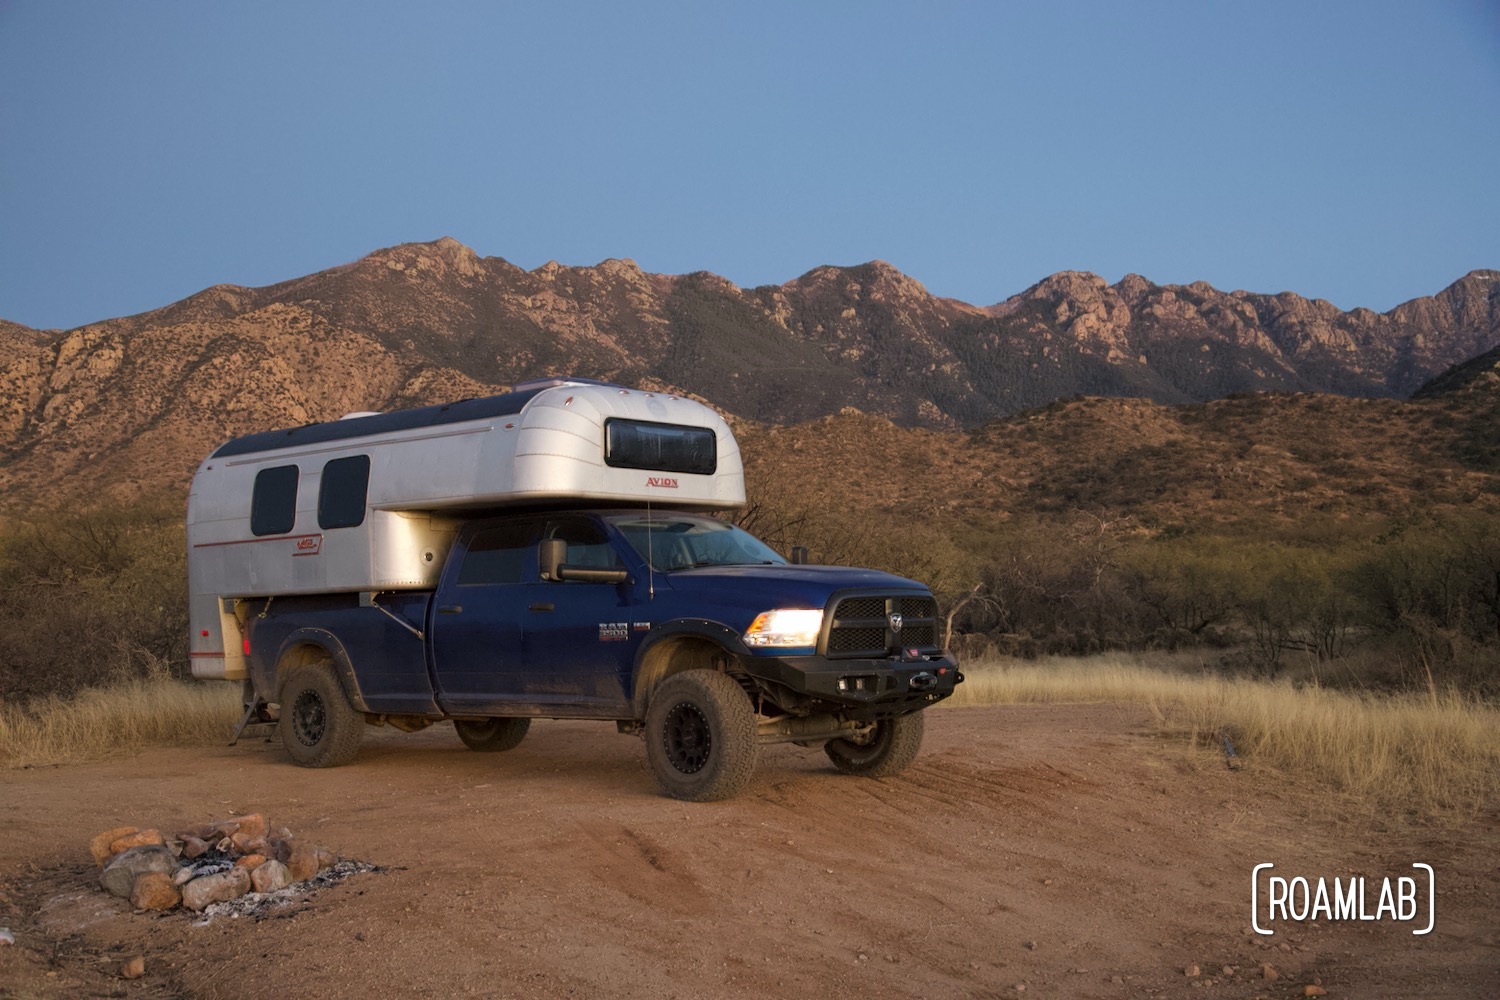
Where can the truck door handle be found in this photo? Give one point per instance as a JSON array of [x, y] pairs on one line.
[[451, 609], [543, 606]]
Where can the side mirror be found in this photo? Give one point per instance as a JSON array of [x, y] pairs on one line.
[[799, 555], [550, 555]]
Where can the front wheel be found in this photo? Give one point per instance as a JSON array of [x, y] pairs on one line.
[[491, 735], [700, 736], [319, 728], [887, 750]]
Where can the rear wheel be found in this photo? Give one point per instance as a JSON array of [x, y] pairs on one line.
[[700, 736], [888, 749], [491, 735], [319, 728]]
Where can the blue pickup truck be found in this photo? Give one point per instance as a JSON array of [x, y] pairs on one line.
[[662, 618]]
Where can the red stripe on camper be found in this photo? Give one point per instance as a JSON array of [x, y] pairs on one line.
[[252, 541]]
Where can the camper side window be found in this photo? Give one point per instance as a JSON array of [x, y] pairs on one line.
[[273, 503], [341, 494], [502, 554]]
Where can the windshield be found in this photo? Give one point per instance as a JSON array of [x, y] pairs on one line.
[[683, 541]]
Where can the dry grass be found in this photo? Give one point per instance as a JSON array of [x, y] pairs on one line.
[[1412, 753], [123, 718]]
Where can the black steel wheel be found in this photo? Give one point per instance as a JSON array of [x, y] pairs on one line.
[[319, 728], [687, 738], [888, 749], [492, 735], [700, 736]]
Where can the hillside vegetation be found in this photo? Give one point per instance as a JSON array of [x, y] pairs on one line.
[[1340, 541], [91, 596]]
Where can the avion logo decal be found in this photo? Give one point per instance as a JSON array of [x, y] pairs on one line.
[[664, 482]]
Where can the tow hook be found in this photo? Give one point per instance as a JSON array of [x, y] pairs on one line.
[[923, 681]]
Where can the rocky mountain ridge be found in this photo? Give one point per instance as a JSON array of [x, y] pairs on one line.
[[136, 401]]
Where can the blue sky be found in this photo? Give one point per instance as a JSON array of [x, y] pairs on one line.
[[1349, 151]]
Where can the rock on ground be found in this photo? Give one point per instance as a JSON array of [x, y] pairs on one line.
[[303, 863], [251, 826], [246, 844], [203, 892], [124, 868], [279, 847], [141, 838], [154, 891], [270, 876], [99, 846]]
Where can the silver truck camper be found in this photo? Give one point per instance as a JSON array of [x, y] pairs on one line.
[[371, 503]]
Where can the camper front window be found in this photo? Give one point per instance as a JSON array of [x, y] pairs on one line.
[[641, 444]]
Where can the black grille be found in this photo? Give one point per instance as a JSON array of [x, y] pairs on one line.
[[917, 607], [856, 640], [861, 607], [919, 636], [861, 625]]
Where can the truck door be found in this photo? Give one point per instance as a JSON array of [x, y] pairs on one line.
[[578, 639], [476, 625]]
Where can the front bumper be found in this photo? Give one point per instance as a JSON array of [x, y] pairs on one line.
[[858, 688]]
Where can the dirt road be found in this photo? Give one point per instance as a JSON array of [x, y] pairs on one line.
[[1031, 851]]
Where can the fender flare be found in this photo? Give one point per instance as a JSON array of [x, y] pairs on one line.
[[343, 667], [718, 633]]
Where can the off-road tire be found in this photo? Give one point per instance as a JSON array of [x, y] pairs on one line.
[[700, 736], [319, 728], [491, 735], [888, 750]]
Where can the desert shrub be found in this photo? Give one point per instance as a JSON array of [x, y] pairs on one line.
[[1295, 600], [1433, 590], [91, 596], [1191, 587], [1059, 589], [1477, 445], [1322, 603]]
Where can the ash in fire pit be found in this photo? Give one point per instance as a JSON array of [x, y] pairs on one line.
[[213, 867], [260, 905]]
